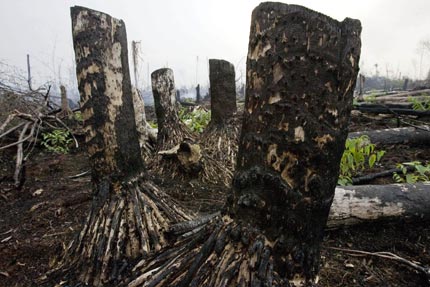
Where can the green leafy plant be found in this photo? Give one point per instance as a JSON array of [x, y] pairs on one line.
[[359, 155], [153, 125], [370, 98], [57, 141], [78, 116], [196, 120], [420, 172], [420, 105]]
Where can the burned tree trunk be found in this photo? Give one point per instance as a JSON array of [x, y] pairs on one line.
[[223, 91], [198, 96], [361, 79], [147, 140], [171, 131], [220, 139], [65, 109], [301, 72], [128, 214]]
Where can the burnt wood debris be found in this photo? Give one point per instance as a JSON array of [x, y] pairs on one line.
[[129, 214], [301, 70]]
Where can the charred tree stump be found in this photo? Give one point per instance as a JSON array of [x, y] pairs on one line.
[[361, 79], [128, 214], [223, 91], [171, 131], [66, 112], [301, 71], [220, 138], [198, 96], [405, 84]]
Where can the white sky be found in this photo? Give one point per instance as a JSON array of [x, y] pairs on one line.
[[174, 33]]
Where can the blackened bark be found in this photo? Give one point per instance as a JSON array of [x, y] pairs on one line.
[[171, 131], [405, 84], [65, 109], [361, 79], [219, 140], [223, 91], [100, 44], [301, 73], [145, 142], [198, 96]]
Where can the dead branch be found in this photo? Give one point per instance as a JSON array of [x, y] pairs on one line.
[[20, 156], [424, 270]]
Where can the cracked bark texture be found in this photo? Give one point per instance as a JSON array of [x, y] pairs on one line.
[[129, 214], [301, 71]]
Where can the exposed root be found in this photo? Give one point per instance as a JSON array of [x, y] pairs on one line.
[[125, 223], [219, 146], [220, 253], [220, 143]]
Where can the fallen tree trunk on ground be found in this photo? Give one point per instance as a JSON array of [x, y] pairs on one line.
[[409, 135], [365, 203], [396, 100], [394, 111], [390, 106], [403, 94]]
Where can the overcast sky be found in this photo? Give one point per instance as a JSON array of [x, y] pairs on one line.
[[174, 33]]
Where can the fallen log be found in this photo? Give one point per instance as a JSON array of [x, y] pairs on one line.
[[364, 203], [391, 100], [403, 94], [396, 111], [410, 135], [390, 105]]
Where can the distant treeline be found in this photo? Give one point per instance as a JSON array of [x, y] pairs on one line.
[[387, 84]]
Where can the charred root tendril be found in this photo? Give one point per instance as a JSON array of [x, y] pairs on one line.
[[123, 226], [221, 253]]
